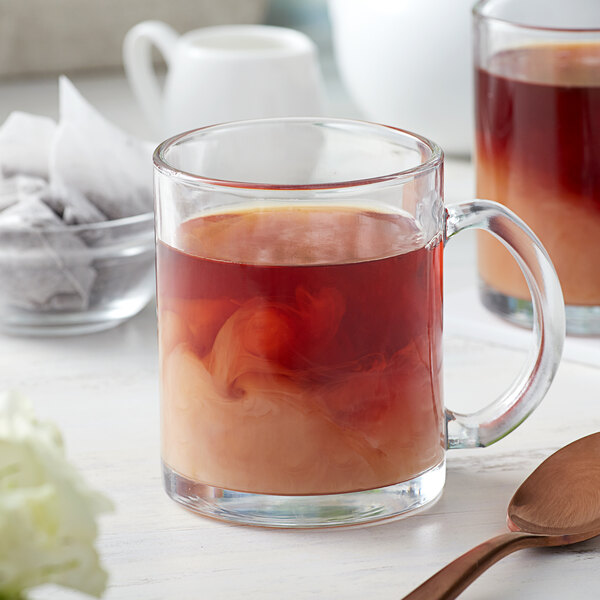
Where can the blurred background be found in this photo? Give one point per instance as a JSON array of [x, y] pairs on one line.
[[66, 36], [40, 39]]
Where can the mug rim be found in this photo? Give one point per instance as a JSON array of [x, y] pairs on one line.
[[431, 163], [477, 12]]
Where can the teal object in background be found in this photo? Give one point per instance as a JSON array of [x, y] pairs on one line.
[[309, 16]]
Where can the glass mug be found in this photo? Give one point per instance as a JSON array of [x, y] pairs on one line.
[[299, 290], [537, 93]]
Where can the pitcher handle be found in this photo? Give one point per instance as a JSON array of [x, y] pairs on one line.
[[493, 422], [137, 59]]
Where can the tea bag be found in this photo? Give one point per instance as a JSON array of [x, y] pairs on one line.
[[25, 142], [82, 171], [42, 265], [110, 168], [13, 189], [72, 206]]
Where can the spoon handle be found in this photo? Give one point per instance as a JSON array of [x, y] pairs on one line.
[[453, 579]]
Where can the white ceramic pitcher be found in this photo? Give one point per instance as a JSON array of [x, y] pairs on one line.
[[223, 73]]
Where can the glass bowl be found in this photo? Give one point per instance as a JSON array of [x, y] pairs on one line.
[[77, 278]]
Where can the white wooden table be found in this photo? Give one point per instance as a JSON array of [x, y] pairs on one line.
[[102, 390]]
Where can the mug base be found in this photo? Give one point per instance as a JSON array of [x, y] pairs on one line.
[[580, 320], [305, 512]]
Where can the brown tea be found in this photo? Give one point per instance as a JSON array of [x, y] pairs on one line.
[[538, 153], [301, 350]]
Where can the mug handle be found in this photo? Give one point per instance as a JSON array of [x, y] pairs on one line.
[[490, 424], [137, 59]]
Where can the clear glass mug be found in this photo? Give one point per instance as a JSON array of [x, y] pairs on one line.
[[299, 279], [537, 96]]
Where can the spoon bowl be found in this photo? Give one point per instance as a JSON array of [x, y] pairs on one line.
[[562, 496], [558, 504]]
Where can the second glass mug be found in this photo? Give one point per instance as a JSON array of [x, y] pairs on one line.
[[299, 285], [537, 100]]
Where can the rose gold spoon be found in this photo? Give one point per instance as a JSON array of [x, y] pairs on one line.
[[558, 504]]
